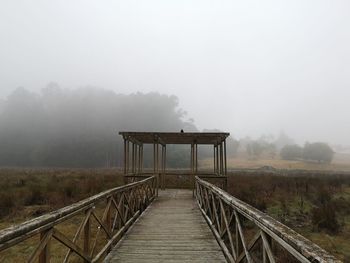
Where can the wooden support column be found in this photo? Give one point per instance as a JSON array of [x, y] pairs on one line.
[[141, 163], [135, 157], [214, 159], [192, 180], [221, 160], [124, 156], [137, 166], [217, 158], [196, 159], [139, 159], [192, 159], [164, 165], [161, 167], [157, 155], [225, 158], [127, 156], [132, 157], [154, 158], [155, 165]]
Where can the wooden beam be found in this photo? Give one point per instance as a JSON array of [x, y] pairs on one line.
[[125, 156], [176, 137], [196, 160], [164, 166], [214, 156], [132, 157], [44, 248], [225, 157], [142, 158], [221, 160], [87, 235], [217, 158], [192, 159], [154, 158]]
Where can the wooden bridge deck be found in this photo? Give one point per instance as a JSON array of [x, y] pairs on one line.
[[172, 229]]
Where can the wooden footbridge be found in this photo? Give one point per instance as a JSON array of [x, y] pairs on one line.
[[143, 221]]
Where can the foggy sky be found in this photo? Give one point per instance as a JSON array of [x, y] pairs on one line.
[[246, 67]]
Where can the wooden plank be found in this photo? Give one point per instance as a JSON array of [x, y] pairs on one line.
[[175, 137], [172, 229]]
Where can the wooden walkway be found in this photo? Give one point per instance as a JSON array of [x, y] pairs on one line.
[[172, 229]]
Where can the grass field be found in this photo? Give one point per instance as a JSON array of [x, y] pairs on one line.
[[298, 201], [318, 207], [341, 162], [25, 194]]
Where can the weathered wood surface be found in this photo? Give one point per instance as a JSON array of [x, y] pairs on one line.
[[121, 206], [172, 229], [246, 234]]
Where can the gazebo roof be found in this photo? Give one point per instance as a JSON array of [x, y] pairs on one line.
[[175, 137]]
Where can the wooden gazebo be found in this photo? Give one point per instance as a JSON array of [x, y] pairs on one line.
[[134, 142]]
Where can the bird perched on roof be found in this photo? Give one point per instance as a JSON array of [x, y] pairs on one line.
[[182, 131]]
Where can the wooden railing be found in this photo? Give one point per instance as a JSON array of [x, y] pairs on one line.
[[214, 178], [246, 234], [103, 217]]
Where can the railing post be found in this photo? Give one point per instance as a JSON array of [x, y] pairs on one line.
[[154, 185], [195, 188], [87, 233], [44, 256], [109, 214], [238, 238]]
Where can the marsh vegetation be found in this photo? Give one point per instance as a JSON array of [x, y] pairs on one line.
[[315, 204]]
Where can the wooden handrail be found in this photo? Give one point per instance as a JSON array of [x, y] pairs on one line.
[[226, 216], [121, 208]]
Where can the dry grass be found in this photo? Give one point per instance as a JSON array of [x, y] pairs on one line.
[[34, 192], [341, 162], [293, 200]]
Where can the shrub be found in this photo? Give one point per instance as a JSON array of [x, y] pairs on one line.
[[70, 190], [324, 217], [6, 204], [36, 196], [291, 152], [318, 151], [323, 196]]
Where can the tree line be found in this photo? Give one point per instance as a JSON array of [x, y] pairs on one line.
[[283, 145], [318, 151], [79, 128]]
